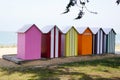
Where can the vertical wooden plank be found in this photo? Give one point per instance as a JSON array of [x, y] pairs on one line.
[[105, 43], [56, 42], [98, 42], [76, 43], [108, 43], [101, 41], [63, 45], [93, 44], [79, 44], [72, 42], [52, 44], [113, 42], [59, 44], [67, 44]]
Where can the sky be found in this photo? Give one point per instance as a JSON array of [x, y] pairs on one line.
[[14, 14]]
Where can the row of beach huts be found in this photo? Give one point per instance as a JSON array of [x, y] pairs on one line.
[[52, 42]]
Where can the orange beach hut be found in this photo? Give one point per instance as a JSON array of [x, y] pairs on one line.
[[84, 41]]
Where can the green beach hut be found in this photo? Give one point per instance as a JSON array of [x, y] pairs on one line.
[[110, 40]]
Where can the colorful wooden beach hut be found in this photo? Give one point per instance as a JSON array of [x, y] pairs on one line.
[[84, 41], [101, 47], [29, 42], [95, 40], [69, 41], [99, 41], [51, 42], [110, 40]]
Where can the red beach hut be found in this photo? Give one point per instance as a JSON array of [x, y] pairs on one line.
[[29, 42], [51, 42]]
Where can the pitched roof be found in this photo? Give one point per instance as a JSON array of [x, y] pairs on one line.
[[66, 29], [94, 29], [107, 30], [114, 31], [46, 29], [24, 28], [81, 29]]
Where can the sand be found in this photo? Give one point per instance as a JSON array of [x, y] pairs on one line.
[[13, 50], [10, 50], [117, 48]]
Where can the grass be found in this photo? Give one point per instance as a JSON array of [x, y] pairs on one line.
[[102, 69]]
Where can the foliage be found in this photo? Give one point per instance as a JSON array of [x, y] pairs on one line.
[[81, 5]]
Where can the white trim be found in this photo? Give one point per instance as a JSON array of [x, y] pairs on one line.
[[56, 42], [108, 43], [52, 44], [101, 42]]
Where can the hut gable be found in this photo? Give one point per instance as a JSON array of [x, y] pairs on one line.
[[48, 28], [87, 31], [94, 30], [107, 30], [66, 29], [82, 30], [27, 27]]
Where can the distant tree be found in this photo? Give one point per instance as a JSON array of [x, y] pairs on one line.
[[82, 5]]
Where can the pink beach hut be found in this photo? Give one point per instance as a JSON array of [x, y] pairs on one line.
[[29, 42]]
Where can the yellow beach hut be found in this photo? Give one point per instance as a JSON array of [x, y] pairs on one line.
[[69, 41]]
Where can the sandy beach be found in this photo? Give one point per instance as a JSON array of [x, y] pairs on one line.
[[117, 48], [9, 50]]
